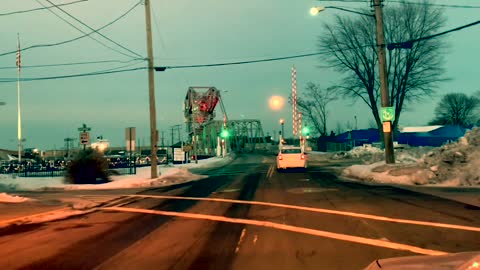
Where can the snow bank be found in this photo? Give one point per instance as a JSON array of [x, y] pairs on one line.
[[169, 175], [453, 164], [4, 197]]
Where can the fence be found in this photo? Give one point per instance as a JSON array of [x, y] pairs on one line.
[[56, 172]]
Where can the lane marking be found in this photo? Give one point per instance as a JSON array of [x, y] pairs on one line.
[[268, 224], [270, 171], [321, 210], [255, 238], [240, 240]]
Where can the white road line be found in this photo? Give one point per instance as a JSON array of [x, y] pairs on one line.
[[321, 210], [270, 172], [268, 224], [240, 240]]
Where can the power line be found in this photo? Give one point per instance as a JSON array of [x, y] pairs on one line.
[[69, 23], [409, 43], [73, 63], [77, 38], [407, 2], [255, 61], [163, 68], [36, 9], [434, 4], [102, 35], [96, 73]]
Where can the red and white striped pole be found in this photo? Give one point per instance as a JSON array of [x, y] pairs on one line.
[[294, 101]]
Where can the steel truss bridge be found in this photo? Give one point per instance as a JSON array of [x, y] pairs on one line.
[[245, 135]]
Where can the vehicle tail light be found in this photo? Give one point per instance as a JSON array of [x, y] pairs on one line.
[[280, 157], [302, 157]]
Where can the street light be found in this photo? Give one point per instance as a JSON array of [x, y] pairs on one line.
[[282, 122], [387, 132]]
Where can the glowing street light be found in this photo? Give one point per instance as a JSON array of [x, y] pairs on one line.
[[276, 102], [315, 10]]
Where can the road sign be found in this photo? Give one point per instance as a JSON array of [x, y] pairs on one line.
[[187, 148], [84, 138], [130, 146], [84, 128], [387, 114], [130, 134], [387, 127], [178, 154]]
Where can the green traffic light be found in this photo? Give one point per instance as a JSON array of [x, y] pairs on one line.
[[305, 130], [224, 133]]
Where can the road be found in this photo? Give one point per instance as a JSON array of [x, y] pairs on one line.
[[247, 215]]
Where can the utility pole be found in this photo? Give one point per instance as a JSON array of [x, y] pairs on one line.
[[151, 93], [387, 126]]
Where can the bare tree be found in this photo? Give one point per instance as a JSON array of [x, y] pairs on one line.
[[339, 128], [313, 105], [372, 123], [412, 73], [457, 109]]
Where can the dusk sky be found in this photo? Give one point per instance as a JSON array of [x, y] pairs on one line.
[[186, 32]]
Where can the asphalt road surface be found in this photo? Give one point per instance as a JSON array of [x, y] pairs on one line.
[[247, 215]]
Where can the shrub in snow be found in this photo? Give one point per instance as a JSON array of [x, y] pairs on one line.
[[88, 167]]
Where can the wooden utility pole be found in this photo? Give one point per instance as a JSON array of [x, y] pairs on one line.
[[387, 126], [151, 93]]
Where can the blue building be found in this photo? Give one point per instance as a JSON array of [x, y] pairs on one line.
[[430, 135]]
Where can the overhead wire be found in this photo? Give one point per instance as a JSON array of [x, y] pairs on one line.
[[42, 8], [95, 73], [72, 64], [434, 4], [98, 33], [80, 30], [162, 68], [74, 39], [407, 2], [410, 42]]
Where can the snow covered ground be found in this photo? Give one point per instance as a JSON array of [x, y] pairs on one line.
[[454, 164], [4, 197], [168, 175]]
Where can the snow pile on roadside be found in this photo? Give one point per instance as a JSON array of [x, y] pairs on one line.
[[453, 164], [456, 162], [399, 173], [169, 175], [173, 176], [367, 153], [4, 197]]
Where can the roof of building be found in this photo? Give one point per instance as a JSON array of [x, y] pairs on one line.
[[421, 129]]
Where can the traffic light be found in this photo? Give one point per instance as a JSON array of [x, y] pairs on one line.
[[306, 130], [224, 133]]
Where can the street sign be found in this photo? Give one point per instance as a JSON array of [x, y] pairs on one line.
[[387, 127], [130, 135], [187, 148], [178, 154], [387, 114], [130, 146], [84, 128], [84, 138]]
